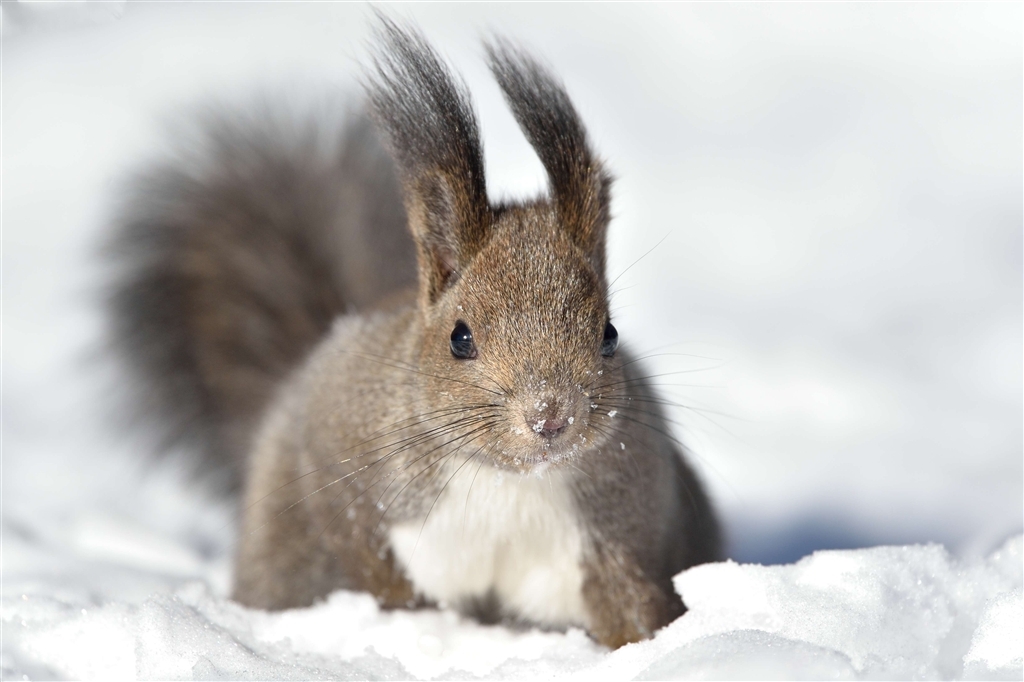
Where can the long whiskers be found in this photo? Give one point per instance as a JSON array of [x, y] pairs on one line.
[[407, 443], [486, 425], [632, 415], [414, 421], [643, 379], [630, 399], [400, 469], [438, 497]]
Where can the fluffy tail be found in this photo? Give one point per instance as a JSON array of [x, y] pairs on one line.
[[233, 262]]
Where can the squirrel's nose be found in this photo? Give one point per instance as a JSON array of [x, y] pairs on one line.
[[549, 428], [547, 421]]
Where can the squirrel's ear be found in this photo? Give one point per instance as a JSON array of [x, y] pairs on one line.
[[428, 125], [580, 186]]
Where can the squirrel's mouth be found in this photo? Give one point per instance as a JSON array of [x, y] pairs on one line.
[[528, 452]]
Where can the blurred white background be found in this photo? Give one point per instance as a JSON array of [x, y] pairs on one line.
[[829, 197]]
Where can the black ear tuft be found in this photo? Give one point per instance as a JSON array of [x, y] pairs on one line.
[[428, 124], [580, 186]]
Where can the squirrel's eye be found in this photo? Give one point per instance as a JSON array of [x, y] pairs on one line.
[[462, 342], [611, 340]]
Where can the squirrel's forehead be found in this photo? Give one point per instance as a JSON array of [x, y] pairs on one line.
[[535, 282], [537, 268], [535, 248]]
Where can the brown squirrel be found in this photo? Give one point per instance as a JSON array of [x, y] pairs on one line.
[[443, 419]]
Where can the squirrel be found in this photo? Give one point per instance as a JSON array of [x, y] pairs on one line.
[[417, 393]]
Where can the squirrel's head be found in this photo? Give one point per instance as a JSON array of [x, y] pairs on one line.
[[513, 301]]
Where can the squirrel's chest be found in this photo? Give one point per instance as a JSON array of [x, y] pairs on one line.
[[492, 533]]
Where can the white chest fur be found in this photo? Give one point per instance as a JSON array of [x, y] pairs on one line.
[[491, 530]]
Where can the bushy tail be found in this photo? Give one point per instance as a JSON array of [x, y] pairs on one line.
[[235, 258]]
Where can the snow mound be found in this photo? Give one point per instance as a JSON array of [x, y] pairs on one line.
[[884, 612]]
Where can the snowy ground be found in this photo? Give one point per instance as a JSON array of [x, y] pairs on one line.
[[835, 192]]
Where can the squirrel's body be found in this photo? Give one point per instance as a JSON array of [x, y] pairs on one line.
[[430, 518], [524, 553], [476, 441]]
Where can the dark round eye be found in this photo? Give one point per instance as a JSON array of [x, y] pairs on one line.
[[462, 342], [611, 340]]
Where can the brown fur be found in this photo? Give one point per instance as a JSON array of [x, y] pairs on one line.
[[233, 261], [371, 429]]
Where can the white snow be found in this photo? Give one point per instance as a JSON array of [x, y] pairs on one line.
[[831, 195], [879, 613], [996, 643]]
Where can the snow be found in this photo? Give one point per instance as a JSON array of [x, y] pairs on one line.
[[831, 199], [995, 645], [878, 613]]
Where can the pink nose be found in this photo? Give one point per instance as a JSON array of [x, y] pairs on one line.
[[549, 428]]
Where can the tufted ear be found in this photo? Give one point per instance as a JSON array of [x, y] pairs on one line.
[[428, 125], [580, 186]]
